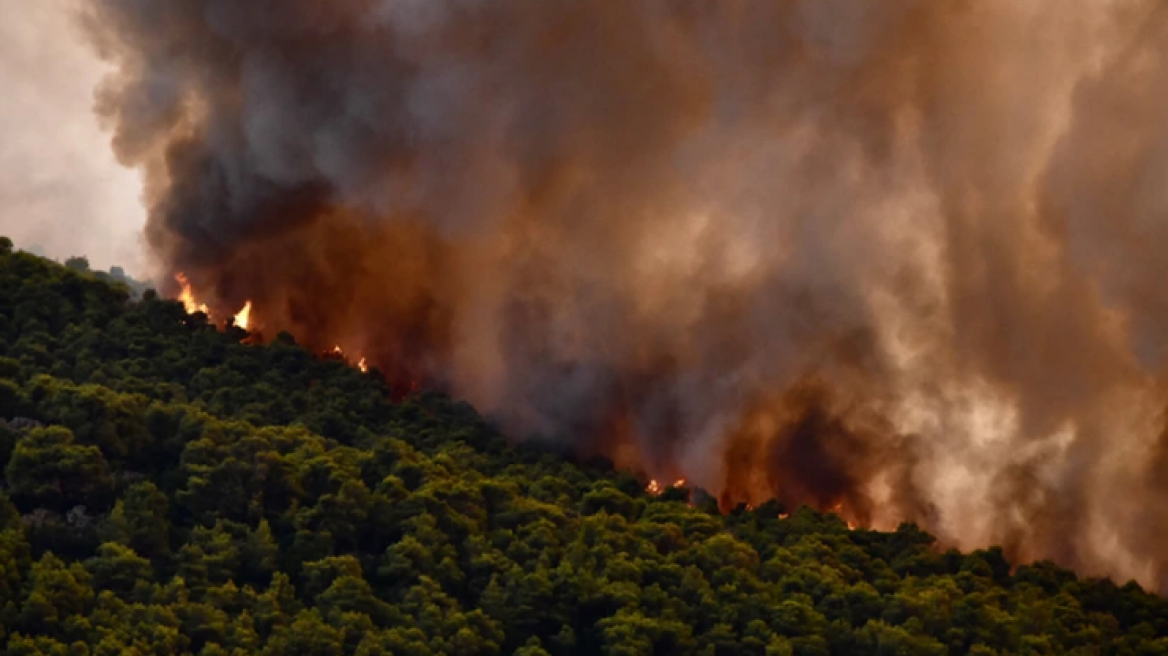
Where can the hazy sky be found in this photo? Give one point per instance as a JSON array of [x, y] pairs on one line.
[[60, 187]]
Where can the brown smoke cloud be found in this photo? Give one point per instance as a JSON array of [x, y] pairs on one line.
[[902, 256]]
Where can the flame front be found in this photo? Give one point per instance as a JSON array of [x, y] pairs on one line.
[[243, 319], [338, 352], [655, 487], [192, 305], [187, 296], [838, 510]]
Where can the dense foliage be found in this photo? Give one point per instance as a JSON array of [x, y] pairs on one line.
[[169, 490]]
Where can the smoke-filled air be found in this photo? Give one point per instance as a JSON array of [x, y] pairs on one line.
[[900, 258]]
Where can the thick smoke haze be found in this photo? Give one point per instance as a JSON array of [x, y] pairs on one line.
[[901, 257], [60, 188]]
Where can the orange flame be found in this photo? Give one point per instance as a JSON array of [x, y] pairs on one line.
[[655, 487], [187, 296], [838, 510], [244, 317], [362, 363]]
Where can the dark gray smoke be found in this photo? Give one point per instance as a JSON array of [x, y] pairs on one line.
[[900, 256]]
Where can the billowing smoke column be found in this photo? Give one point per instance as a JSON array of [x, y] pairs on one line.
[[903, 256]]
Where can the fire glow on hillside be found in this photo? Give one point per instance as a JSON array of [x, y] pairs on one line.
[[186, 296]]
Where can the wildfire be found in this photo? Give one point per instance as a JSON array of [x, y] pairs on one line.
[[338, 352], [187, 297], [242, 320], [655, 487], [244, 317], [838, 510]]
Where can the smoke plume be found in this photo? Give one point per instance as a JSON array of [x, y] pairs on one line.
[[899, 256]]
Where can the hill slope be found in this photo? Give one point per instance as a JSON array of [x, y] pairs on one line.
[[168, 490]]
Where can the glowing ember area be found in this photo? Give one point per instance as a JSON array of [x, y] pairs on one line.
[[339, 353], [837, 509], [655, 487], [243, 319], [187, 295]]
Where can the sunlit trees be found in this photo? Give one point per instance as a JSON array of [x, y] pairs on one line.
[[48, 469]]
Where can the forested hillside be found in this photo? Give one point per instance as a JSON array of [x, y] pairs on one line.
[[170, 490]]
